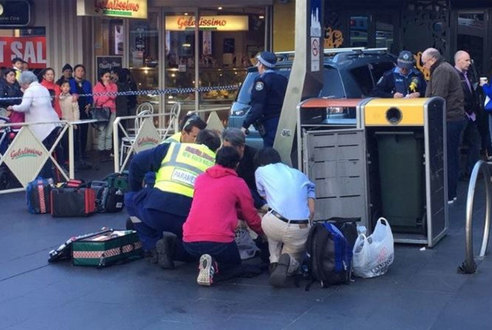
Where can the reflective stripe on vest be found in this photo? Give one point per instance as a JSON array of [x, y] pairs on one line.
[[182, 164]]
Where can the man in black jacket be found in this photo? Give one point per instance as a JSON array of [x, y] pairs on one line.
[[233, 137], [471, 135]]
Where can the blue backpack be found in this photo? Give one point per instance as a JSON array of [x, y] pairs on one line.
[[329, 255]]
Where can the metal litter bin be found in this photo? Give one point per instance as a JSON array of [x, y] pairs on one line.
[[406, 146]]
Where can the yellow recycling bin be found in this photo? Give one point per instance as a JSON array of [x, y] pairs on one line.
[[407, 173]]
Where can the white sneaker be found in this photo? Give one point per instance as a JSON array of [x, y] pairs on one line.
[[207, 269]]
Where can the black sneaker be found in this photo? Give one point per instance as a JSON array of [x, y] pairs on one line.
[[165, 250], [278, 278]]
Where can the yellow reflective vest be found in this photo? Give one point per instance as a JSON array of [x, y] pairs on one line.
[[182, 164], [176, 137]]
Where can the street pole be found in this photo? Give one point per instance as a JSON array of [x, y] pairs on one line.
[[306, 77]]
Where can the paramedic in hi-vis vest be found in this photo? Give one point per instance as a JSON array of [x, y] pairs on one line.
[[157, 213]]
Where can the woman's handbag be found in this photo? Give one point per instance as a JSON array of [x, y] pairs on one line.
[[373, 255], [101, 114]]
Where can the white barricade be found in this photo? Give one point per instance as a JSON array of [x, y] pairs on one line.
[[25, 155], [145, 135]]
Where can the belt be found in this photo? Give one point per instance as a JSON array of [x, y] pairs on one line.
[[280, 217]]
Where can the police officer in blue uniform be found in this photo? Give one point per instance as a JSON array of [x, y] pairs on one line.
[[267, 97], [402, 81]]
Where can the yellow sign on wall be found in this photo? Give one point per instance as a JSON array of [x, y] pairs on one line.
[[218, 23], [113, 8]]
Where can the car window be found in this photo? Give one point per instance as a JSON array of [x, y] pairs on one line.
[[332, 84], [244, 95], [362, 75], [378, 69]]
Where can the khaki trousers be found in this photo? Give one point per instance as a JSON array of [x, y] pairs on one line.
[[285, 237]]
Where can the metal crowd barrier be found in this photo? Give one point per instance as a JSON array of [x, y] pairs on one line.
[[469, 266], [145, 135], [25, 155]]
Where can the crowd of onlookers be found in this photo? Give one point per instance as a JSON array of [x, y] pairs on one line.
[[70, 98]]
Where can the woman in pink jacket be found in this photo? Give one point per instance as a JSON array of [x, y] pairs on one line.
[[220, 198], [104, 96]]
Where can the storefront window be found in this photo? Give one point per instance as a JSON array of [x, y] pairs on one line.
[[144, 55], [471, 36], [227, 40], [359, 31]]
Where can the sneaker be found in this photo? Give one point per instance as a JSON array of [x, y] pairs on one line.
[[207, 269], [165, 250], [278, 278]]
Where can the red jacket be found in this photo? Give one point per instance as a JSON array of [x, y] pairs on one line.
[[55, 91], [220, 198], [105, 100]]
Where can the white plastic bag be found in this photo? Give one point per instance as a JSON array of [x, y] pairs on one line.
[[373, 255]]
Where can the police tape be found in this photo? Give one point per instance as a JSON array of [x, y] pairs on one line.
[[149, 92]]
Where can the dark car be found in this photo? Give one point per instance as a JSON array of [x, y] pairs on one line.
[[348, 73]]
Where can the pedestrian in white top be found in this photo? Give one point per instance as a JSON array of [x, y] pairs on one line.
[[36, 105]]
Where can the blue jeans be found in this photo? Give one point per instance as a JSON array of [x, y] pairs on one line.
[[454, 130]]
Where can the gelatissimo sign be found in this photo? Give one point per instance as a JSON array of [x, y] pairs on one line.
[[25, 152], [219, 23], [115, 8], [15, 13]]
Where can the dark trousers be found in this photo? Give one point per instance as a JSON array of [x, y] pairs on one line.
[[270, 126], [454, 130], [227, 257], [472, 139], [83, 129], [153, 223], [48, 170], [226, 254]]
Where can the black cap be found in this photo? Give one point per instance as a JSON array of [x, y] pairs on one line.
[[67, 67], [17, 59], [405, 60]]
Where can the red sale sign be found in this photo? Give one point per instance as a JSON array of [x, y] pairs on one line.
[[30, 49]]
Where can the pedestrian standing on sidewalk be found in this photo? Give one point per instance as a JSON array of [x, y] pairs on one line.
[[267, 98], [105, 97], [471, 134], [446, 83]]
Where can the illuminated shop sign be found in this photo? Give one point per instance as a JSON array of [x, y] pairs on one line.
[[14, 13], [114, 8], [218, 23], [30, 49]]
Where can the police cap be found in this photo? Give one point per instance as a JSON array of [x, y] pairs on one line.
[[405, 60], [268, 59]]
